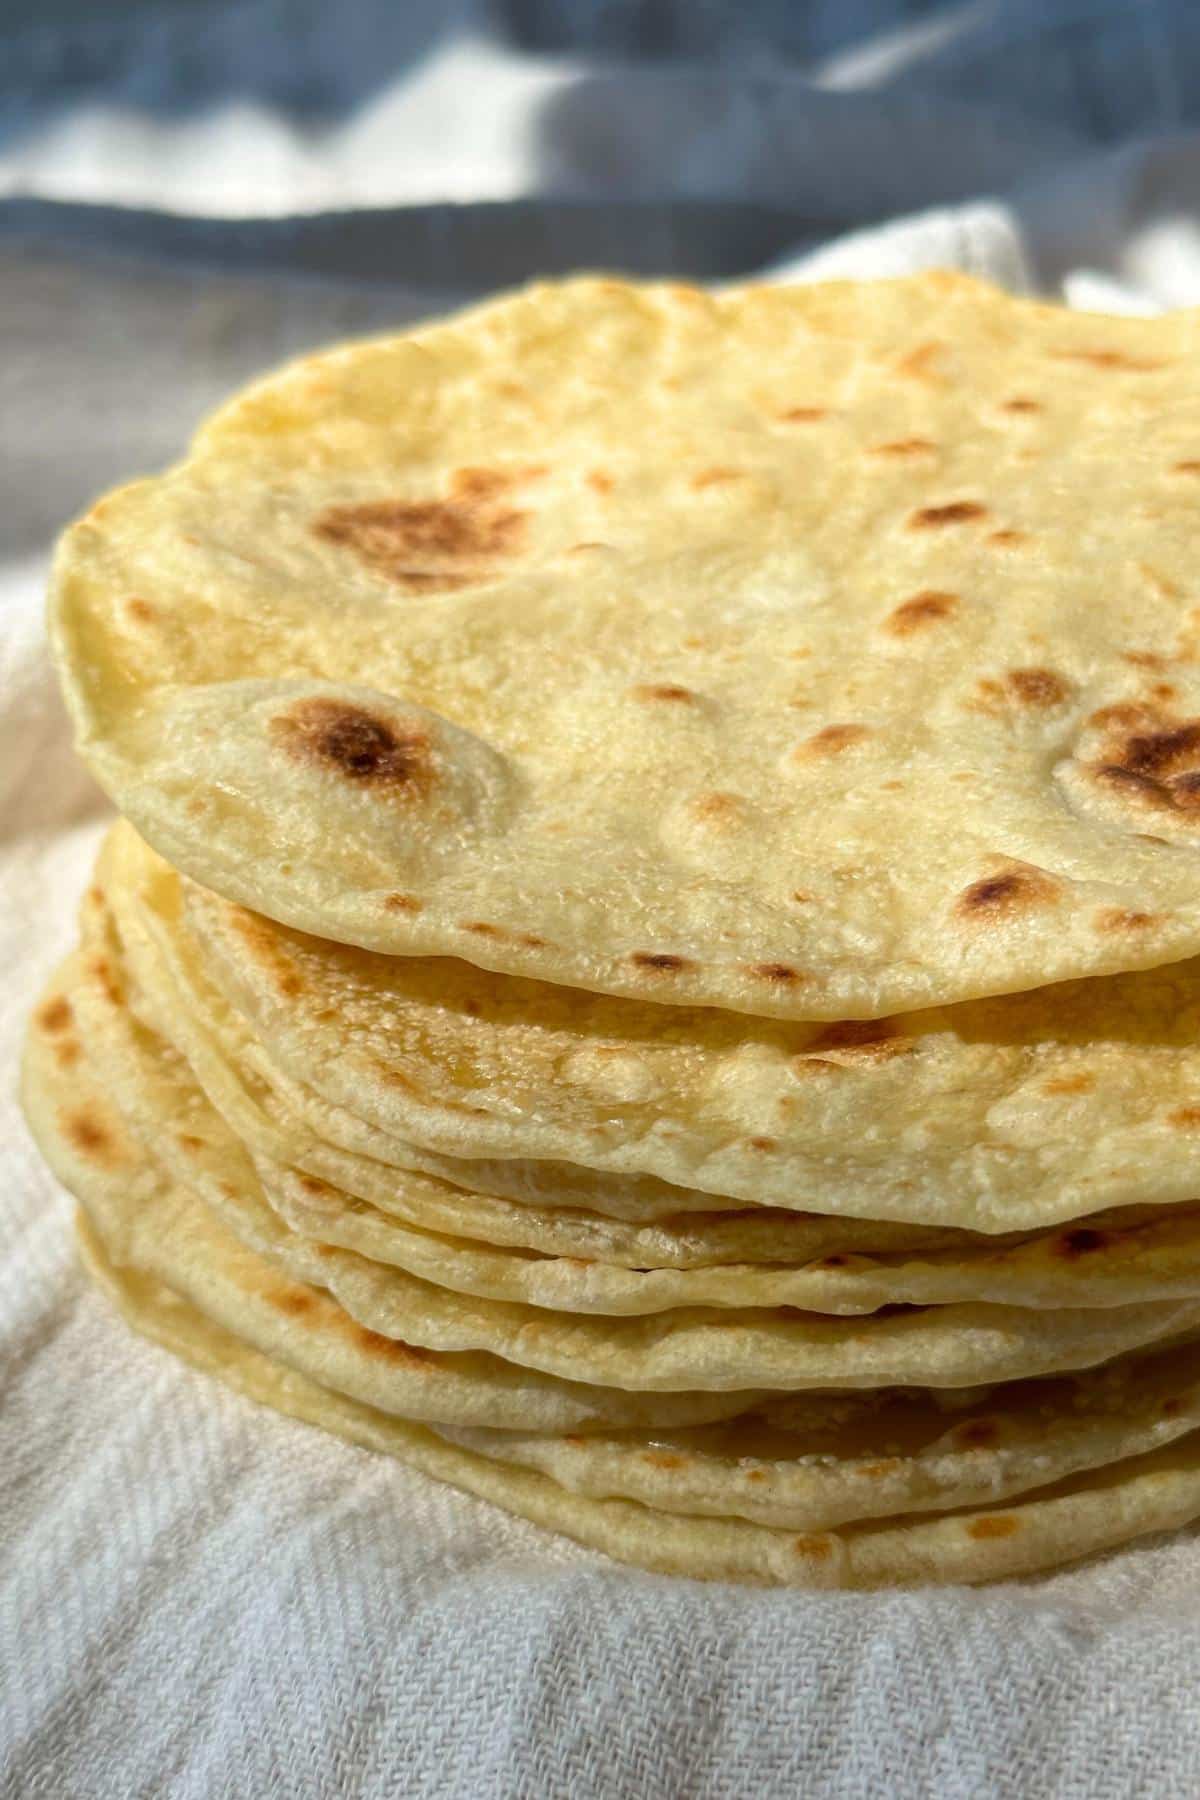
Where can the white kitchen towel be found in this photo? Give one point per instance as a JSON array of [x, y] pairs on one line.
[[199, 1599]]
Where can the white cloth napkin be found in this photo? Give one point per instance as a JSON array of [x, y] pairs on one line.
[[200, 1599]]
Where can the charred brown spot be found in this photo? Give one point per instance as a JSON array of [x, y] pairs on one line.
[[1104, 357], [1020, 403], [1120, 918], [55, 1014], [804, 415], [662, 1459], [295, 1302], [532, 941], [103, 970], [1005, 893], [355, 744], [481, 928], [904, 447], [1144, 659], [67, 1053], [818, 1548], [868, 1040], [89, 1135], [831, 740], [1038, 687], [977, 1433], [600, 481], [660, 961], [188, 1142], [717, 808], [953, 512], [762, 1143], [923, 609], [140, 610], [1186, 468], [402, 903], [312, 1184], [1007, 539], [996, 1527], [1082, 1242], [1083, 1083], [663, 690], [1185, 1118], [430, 544], [801, 897], [833, 1262], [781, 973], [388, 1349], [1149, 757], [920, 363]]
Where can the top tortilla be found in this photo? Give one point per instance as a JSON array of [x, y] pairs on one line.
[[814, 652]]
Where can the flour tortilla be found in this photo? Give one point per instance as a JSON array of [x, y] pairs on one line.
[[1062, 1524], [816, 652], [998, 1116], [692, 1348]]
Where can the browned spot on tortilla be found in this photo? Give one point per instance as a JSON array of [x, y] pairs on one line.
[[1162, 582], [660, 961], [913, 615], [1020, 403], [977, 1433], [833, 1262], [862, 1040], [782, 973], [877, 1470], [717, 808], [55, 1014], [67, 1052], [1083, 1083], [1007, 538], [532, 940], [312, 1184], [430, 544], [356, 744], [1081, 1242], [402, 903], [804, 415], [89, 1135], [140, 609], [662, 1459], [1185, 468], [663, 690], [1185, 1118], [996, 1527], [1038, 687], [818, 1548], [295, 1302], [188, 1142], [801, 897], [762, 1143], [1120, 918], [1144, 659], [481, 928], [952, 512], [919, 364], [388, 1349], [904, 447], [756, 1474], [102, 969], [1007, 892], [831, 740], [1150, 756], [600, 480], [716, 477], [1103, 356]]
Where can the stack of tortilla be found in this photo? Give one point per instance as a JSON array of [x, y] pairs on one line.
[[645, 967]]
